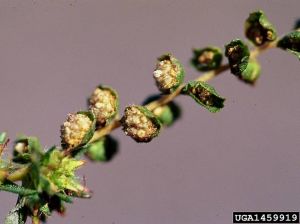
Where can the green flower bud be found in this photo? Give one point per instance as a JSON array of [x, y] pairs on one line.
[[104, 103], [102, 150], [205, 95], [166, 114], [26, 149], [140, 123], [291, 43], [251, 73], [206, 59], [258, 29], [168, 73], [77, 130], [238, 56]]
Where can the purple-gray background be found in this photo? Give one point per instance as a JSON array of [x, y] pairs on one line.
[[53, 54]]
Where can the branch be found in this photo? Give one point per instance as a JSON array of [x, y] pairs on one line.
[[165, 99]]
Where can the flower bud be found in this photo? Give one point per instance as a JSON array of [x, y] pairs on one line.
[[102, 150], [251, 73], [140, 123], [26, 149], [258, 29], [104, 104], [205, 95], [238, 56], [291, 43], [168, 73], [77, 130], [206, 59], [167, 114]]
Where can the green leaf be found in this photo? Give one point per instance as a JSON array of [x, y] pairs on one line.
[[169, 73], [291, 43], [205, 95], [258, 29], [45, 210], [16, 215], [13, 188], [251, 73], [3, 137], [238, 55], [102, 150], [206, 59], [167, 114], [64, 197]]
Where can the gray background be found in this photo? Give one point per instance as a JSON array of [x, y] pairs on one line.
[[53, 54]]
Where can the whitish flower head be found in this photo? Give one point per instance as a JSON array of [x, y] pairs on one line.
[[75, 129], [140, 124], [168, 73], [103, 103]]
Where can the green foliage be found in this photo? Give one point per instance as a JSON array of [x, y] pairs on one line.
[[206, 59], [205, 95], [14, 188]]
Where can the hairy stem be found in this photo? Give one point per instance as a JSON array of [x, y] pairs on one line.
[[168, 98]]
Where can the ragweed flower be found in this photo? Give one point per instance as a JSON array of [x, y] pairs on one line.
[[140, 123], [104, 104], [168, 73], [77, 130]]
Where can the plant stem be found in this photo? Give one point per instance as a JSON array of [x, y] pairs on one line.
[[168, 98]]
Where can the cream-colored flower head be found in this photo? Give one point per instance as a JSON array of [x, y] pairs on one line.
[[104, 105], [140, 124], [74, 129], [168, 73]]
